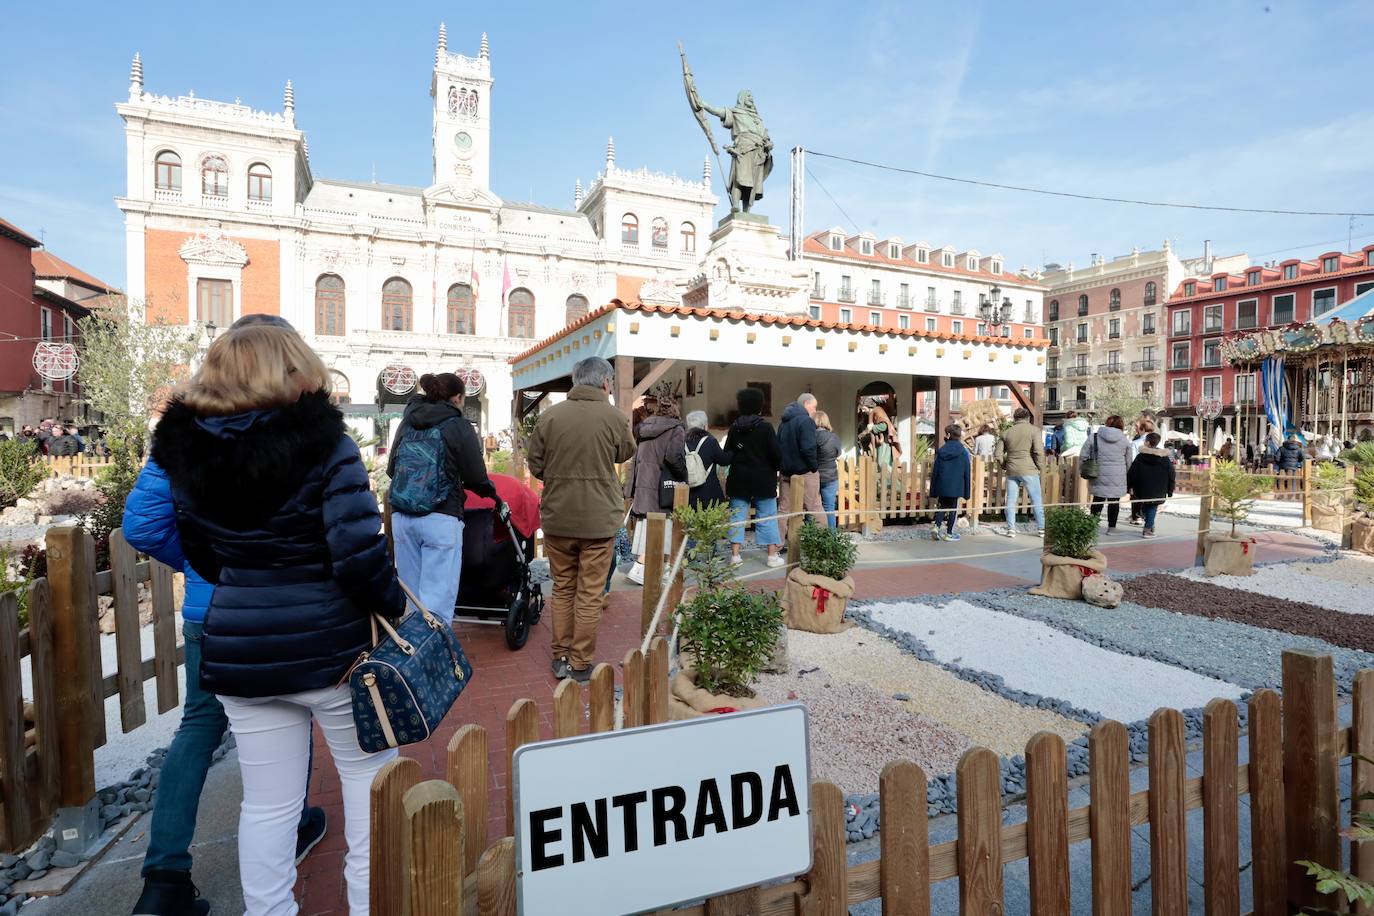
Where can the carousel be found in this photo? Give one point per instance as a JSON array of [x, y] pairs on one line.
[[1315, 378]]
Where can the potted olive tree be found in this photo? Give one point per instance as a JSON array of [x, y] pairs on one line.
[[819, 589], [1234, 491], [1362, 527], [1331, 497], [1070, 539], [726, 634]]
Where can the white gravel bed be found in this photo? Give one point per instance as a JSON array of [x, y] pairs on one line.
[[856, 730], [1297, 583], [124, 753], [1034, 657], [1353, 568], [858, 656]]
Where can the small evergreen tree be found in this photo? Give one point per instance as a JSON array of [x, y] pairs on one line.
[[1234, 491]]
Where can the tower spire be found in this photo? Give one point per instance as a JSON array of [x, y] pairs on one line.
[[442, 48], [485, 52], [610, 154], [577, 193], [706, 170], [289, 103], [136, 76]]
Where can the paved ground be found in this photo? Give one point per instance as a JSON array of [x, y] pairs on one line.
[[887, 569]]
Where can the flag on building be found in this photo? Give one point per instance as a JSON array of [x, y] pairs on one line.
[[505, 280]]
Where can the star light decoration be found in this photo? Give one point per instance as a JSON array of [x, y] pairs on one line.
[[55, 362], [398, 379]]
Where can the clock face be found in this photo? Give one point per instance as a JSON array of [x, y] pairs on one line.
[[462, 142]]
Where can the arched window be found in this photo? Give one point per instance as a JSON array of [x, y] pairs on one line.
[[1054, 310], [576, 308], [689, 238], [462, 314], [1150, 293], [629, 229], [329, 305], [520, 308], [396, 305], [342, 392], [1115, 299], [1083, 304], [259, 182], [214, 177], [167, 171], [659, 234]]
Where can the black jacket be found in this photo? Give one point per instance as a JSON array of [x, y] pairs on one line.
[[1291, 456], [754, 459], [797, 438], [828, 448], [463, 462], [714, 457], [1151, 475], [274, 509], [950, 476]]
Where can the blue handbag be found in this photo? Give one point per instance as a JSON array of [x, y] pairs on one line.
[[405, 684]]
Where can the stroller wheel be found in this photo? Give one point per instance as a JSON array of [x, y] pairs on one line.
[[518, 621]]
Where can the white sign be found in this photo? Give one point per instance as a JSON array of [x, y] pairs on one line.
[[628, 821]]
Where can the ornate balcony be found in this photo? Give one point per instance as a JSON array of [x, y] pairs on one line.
[[818, 291], [1146, 365], [846, 294], [1111, 368], [1078, 372], [876, 298], [167, 195], [904, 301]]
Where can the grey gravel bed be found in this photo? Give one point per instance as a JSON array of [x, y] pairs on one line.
[[1238, 653]]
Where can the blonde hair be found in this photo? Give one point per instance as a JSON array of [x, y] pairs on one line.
[[822, 420], [253, 368]]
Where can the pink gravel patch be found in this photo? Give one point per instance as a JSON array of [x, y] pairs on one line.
[[856, 730]]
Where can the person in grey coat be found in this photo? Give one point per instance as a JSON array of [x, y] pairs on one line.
[[1112, 450]]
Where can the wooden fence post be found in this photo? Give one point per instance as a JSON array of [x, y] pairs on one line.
[[496, 880], [71, 584], [1307, 492], [164, 636], [653, 568], [44, 677], [1268, 857], [1362, 774], [679, 532], [797, 488], [905, 840], [869, 521], [1310, 773], [14, 826], [601, 714], [1109, 789], [432, 850], [827, 892], [1080, 486], [632, 699], [128, 639], [1204, 525], [522, 727], [467, 770], [567, 709], [979, 789], [1347, 509], [1047, 823], [1220, 809], [656, 682], [1168, 816], [389, 786]]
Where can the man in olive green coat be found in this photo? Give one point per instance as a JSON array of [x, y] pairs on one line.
[[574, 450], [1021, 453]]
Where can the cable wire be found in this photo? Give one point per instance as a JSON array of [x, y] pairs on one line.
[[1076, 196], [812, 174]]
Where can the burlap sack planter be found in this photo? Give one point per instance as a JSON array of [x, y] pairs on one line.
[[1224, 555], [1062, 577], [688, 701], [1328, 512], [1362, 533], [816, 603]]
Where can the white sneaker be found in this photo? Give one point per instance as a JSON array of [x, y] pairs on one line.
[[1006, 531], [777, 560], [736, 560], [636, 574]]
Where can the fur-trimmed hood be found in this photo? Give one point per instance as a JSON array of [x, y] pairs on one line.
[[238, 470], [1157, 452]]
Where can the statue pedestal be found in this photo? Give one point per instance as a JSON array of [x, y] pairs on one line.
[[747, 269]]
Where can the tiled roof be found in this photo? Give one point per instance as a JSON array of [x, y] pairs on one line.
[[47, 264], [10, 230], [1271, 279], [792, 321], [814, 245]]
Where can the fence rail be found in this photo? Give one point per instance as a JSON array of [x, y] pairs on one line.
[[50, 764], [1290, 775], [80, 466]]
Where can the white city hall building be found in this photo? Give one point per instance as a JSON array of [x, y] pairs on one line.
[[224, 217]]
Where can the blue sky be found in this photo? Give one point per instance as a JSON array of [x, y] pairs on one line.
[[1248, 103]]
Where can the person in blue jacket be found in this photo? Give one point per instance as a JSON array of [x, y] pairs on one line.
[[950, 481], [150, 527]]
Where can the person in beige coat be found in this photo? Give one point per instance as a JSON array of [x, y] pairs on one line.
[[574, 450], [1021, 453]]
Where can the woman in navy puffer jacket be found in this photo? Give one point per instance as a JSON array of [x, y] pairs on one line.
[[274, 508]]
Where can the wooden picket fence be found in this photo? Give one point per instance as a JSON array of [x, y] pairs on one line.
[[430, 853], [80, 466], [52, 763]]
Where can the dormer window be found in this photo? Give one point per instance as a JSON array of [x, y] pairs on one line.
[[836, 243], [1331, 265], [1189, 289], [995, 267], [894, 252], [1290, 271], [972, 264], [1218, 284], [947, 260], [923, 256], [1253, 278], [866, 247]]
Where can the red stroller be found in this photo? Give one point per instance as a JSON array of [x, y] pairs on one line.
[[498, 546]]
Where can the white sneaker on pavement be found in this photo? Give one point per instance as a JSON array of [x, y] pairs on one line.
[[736, 560], [777, 560], [1006, 531]]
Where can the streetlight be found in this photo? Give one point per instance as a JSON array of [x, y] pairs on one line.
[[992, 313]]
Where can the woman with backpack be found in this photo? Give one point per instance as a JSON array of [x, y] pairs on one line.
[[660, 460], [703, 456], [435, 456]]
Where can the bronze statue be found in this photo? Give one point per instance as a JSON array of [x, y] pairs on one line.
[[751, 151]]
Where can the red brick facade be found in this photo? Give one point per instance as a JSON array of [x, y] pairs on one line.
[[165, 277]]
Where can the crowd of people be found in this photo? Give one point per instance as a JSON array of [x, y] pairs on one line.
[[60, 439]]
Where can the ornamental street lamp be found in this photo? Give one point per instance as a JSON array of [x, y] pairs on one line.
[[993, 313]]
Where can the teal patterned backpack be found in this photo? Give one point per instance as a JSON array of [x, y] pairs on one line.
[[420, 485]]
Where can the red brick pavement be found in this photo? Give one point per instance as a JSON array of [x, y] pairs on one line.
[[502, 677]]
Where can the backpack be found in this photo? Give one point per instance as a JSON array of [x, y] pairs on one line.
[[420, 485], [696, 468]]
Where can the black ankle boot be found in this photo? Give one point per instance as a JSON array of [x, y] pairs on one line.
[[170, 893]]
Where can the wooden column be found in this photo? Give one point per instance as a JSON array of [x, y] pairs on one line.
[[911, 440], [941, 406], [1037, 405], [624, 383]]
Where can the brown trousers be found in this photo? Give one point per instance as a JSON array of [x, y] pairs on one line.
[[578, 568], [811, 498]]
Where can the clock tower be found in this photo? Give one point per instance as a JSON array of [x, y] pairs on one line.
[[461, 90]]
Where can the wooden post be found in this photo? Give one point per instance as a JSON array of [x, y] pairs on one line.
[[1047, 823], [1348, 509], [164, 636], [632, 698], [1080, 486], [71, 582], [1220, 809], [601, 715], [432, 850], [389, 786], [624, 383], [44, 672], [567, 709], [1268, 856], [1204, 525], [1310, 773], [1109, 818], [128, 639], [797, 487], [978, 482], [1168, 816], [1307, 492], [678, 583], [496, 880], [905, 858], [14, 826], [1362, 774], [522, 727], [941, 406], [979, 788], [653, 569], [656, 682], [467, 770], [827, 891]]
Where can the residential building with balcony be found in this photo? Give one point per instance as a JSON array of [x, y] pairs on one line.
[[1107, 321], [890, 284], [1203, 310]]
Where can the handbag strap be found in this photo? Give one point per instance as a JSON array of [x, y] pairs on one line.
[[379, 620]]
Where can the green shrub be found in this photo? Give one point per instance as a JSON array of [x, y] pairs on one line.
[[21, 469], [1362, 455], [921, 449], [731, 634], [498, 462], [1330, 476], [827, 552], [1364, 489], [1070, 532], [18, 571], [1234, 491]]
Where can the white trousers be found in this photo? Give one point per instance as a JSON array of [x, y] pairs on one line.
[[273, 735]]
